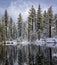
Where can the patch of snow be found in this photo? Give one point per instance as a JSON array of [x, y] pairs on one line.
[[14, 42], [40, 42], [50, 40], [56, 40], [24, 42], [11, 44], [54, 55]]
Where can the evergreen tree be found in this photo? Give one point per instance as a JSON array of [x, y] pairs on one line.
[[0, 33], [6, 20], [10, 28], [45, 24], [14, 31], [3, 30], [39, 21], [31, 21], [50, 17], [3, 40], [56, 23], [20, 25], [29, 27], [44, 18], [24, 33]]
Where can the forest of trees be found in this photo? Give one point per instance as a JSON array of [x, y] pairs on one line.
[[39, 24]]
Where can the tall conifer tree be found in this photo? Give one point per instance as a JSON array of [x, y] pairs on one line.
[[6, 20], [31, 21], [39, 21], [20, 25], [50, 17], [10, 27]]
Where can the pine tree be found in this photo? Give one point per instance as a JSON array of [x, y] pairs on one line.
[[45, 24], [20, 25], [39, 21], [10, 28], [6, 20], [44, 18], [3, 30], [14, 31], [29, 27], [3, 39], [50, 17], [0, 33], [56, 23], [24, 30], [31, 21]]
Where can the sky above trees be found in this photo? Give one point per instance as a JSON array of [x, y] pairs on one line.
[[14, 7]]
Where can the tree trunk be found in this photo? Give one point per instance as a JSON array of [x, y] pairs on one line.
[[49, 28]]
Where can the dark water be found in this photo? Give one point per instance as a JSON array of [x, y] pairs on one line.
[[26, 55]]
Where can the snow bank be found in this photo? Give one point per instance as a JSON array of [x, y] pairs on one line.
[[14, 42], [40, 42], [24, 42], [54, 55], [49, 42], [37, 42]]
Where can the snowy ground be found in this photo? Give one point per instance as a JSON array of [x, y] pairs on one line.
[[14, 42], [54, 55], [49, 42]]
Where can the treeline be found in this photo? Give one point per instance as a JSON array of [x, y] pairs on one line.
[[38, 25]]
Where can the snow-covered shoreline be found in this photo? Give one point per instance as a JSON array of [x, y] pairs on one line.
[[49, 42]]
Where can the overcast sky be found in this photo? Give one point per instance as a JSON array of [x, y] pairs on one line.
[[15, 7]]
